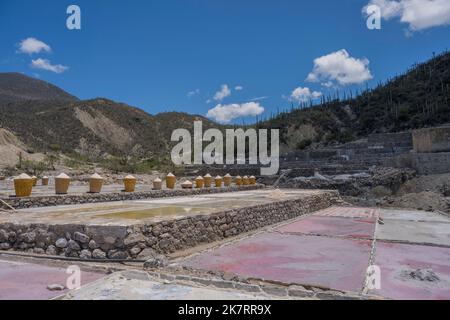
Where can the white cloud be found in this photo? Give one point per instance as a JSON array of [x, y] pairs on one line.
[[222, 93], [389, 9], [33, 45], [339, 67], [45, 64], [418, 14], [328, 84], [193, 93], [226, 113], [259, 98], [304, 94], [239, 88]]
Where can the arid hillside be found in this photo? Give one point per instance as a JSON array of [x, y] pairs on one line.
[[46, 119], [11, 147], [418, 98]]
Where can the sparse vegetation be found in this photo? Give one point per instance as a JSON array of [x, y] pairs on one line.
[[135, 165], [35, 168], [304, 144], [418, 98]]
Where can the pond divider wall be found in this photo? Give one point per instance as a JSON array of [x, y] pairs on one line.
[[140, 241], [68, 199]]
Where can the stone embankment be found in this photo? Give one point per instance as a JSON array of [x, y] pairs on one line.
[[68, 199], [144, 241]]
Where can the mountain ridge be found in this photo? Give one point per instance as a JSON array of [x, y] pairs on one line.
[[418, 98], [47, 118], [54, 120], [15, 87]]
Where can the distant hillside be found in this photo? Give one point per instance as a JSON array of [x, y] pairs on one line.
[[10, 147], [416, 99], [45, 118], [92, 128], [18, 87]]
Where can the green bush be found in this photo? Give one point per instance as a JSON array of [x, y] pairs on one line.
[[304, 144], [35, 168]]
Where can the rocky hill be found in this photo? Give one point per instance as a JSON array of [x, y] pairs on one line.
[[18, 87], [45, 119], [418, 98], [11, 147]]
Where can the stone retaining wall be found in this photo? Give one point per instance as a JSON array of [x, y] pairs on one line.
[[221, 280], [397, 139], [423, 163], [432, 139], [55, 200], [142, 241], [221, 170]]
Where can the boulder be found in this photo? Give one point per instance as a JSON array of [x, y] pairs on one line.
[[61, 243]]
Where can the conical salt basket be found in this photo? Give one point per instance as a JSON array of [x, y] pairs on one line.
[[208, 180], [170, 181], [245, 181], [23, 185], [62, 183], [252, 180], [157, 184], [218, 182], [238, 181], [227, 180], [199, 182], [45, 181], [35, 180], [95, 183], [129, 183], [187, 185]]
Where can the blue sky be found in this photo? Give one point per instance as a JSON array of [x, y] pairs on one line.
[[176, 55]]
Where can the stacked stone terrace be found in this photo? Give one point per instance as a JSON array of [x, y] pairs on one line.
[[138, 229], [353, 157], [350, 158]]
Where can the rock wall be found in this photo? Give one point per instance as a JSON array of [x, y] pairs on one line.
[[390, 140], [142, 241], [55, 200], [423, 163], [351, 185], [432, 140], [217, 169]]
